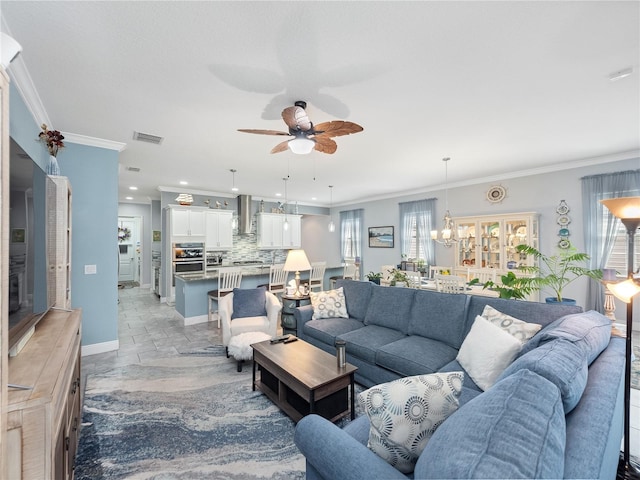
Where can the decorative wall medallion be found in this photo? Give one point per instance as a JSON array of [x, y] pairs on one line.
[[496, 194], [563, 208], [564, 220], [564, 243]]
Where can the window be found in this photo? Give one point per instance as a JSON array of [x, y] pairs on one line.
[[618, 256], [416, 223], [351, 233]]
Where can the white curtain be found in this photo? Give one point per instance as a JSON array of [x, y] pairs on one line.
[[423, 212], [351, 232]]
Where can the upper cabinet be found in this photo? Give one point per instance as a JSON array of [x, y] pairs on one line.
[[490, 241], [187, 221], [271, 232], [219, 230]]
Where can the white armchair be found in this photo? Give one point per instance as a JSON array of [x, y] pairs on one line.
[[268, 324]]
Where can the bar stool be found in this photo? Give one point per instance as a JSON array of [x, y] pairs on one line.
[[316, 277], [228, 279], [348, 273]]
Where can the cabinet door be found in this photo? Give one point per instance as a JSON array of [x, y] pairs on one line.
[[519, 231], [491, 247], [179, 222], [225, 230], [197, 222], [292, 236], [270, 231]]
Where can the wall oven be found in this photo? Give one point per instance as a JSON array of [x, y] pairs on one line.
[[187, 258]]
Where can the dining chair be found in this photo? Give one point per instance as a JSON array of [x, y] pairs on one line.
[[387, 274], [436, 270], [449, 284], [228, 279], [483, 275], [414, 278], [348, 273], [316, 278]]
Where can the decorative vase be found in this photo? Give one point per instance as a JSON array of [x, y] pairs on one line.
[[52, 166], [566, 301]]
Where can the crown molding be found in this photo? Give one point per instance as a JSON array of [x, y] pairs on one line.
[[93, 141]]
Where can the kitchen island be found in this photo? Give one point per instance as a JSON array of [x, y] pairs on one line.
[[191, 288]]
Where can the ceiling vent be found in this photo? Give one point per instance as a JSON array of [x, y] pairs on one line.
[[133, 169], [146, 137]]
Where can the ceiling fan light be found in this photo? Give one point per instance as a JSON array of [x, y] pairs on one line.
[[301, 146]]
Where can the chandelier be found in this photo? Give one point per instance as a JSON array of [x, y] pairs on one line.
[[446, 236]]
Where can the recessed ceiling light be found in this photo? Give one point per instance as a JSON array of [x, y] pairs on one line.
[[620, 74], [234, 189], [278, 194], [128, 198], [184, 182], [314, 198], [133, 188]]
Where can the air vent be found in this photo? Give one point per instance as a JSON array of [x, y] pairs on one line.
[[146, 137], [133, 169]]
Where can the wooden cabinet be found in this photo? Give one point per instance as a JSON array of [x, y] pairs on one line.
[[43, 422], [219, 230], [271, 232], [490, 241], [187, 221], [59, 205]]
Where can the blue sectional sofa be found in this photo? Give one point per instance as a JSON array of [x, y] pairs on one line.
[[555, 412]]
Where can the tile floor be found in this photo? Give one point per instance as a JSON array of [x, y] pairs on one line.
[[148, 329]]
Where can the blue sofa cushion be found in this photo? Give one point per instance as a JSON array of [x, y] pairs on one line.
[[357, 295], [532, 312], [440, 316], [561, 362], [591, 331], [364, 342], [415, 355], [327, 329], [389, 307], [516, 429], [249, 302]]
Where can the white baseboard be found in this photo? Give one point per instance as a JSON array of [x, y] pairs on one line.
[[195, 320], [103, 347]]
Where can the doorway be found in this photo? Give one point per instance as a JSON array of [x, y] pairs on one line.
[[129, 249]]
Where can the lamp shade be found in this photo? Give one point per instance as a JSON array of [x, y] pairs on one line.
[[624, 291], [301, 145], [297, 261], [9, 49], [623, 207]]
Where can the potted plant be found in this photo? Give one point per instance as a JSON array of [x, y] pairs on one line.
[[399, 278], [556, 271], [374, 277], [510, 287]]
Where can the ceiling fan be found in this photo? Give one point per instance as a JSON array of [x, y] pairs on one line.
[[306, 135]]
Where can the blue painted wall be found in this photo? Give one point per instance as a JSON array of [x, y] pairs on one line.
[[93, 173]]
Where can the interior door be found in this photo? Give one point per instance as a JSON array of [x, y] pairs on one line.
[[127, 254]]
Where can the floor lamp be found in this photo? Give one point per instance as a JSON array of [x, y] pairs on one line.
[[627, 209]]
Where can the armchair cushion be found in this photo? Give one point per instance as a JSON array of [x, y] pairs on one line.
[[249, 302]]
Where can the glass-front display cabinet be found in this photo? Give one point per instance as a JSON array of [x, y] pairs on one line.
[[490, 241]]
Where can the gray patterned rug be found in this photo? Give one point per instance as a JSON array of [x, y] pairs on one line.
[[187, 417]]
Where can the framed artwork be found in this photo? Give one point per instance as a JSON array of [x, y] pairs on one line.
[[381, 237], [156, 235], [18, 235]]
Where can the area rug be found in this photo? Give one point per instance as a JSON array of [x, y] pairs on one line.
[[187, 417]]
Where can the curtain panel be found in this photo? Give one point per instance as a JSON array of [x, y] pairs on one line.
[[423, 211], [351, 233], [599, 227]]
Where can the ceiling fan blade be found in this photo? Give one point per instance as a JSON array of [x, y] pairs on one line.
[[263, 132], [281, 147], [337, 128], [325, 145], [296, 118]]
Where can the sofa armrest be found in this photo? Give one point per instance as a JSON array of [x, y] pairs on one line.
[[333, 453], [302, 315]]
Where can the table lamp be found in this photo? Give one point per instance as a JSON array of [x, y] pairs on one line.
[[296, 261], [627, 209]]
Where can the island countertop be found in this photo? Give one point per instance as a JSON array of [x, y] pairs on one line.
[[247, 271]]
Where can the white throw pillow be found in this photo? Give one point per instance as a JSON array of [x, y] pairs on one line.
[[330, 304], [486, 351], [405, 413], [523, 331]]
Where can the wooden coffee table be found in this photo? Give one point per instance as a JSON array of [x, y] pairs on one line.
[[302, 379]]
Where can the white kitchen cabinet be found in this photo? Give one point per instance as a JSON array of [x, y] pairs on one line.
[[271, 233], [187, 221], [219, 230], [490, 241]]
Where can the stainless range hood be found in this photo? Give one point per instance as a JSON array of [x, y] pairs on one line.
[[244, 214]]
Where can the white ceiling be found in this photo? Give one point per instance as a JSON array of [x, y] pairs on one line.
[[500, 87]]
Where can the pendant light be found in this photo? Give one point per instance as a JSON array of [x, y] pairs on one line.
[[285, 225], [233, 180], [447, 236], [332, 226]]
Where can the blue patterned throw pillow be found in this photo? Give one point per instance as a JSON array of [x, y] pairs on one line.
[[406, 412]]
